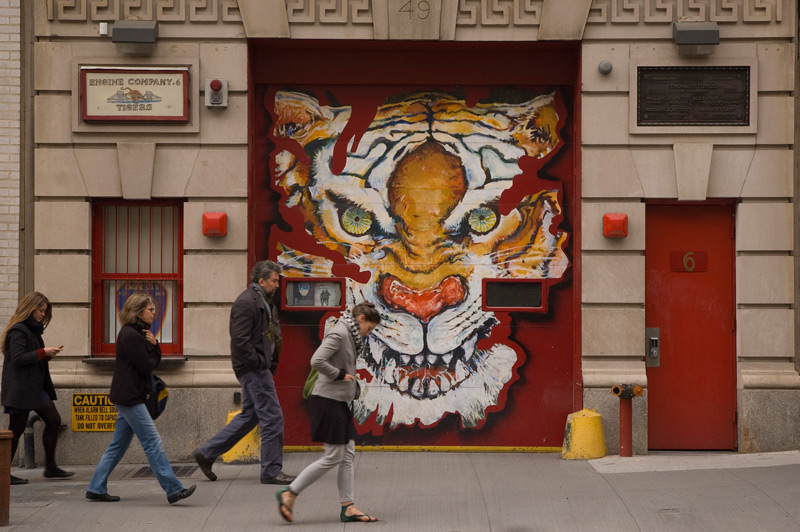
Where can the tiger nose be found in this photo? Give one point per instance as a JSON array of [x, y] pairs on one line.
[[424, 304]]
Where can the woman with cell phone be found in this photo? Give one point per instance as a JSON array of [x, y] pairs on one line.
[[26, 383]]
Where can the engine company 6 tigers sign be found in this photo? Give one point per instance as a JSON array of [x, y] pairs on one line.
[[152, 94]]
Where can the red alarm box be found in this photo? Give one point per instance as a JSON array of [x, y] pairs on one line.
[[215, 224], [615, 225]]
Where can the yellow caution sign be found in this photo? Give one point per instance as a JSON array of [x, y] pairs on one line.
[[93, 412], [248, 449]]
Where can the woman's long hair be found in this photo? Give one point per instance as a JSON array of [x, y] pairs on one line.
[[25, 308], [134, 306]]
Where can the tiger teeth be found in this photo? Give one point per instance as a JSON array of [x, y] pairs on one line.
[[402, 384], [461, 371], [416, 388], [388, 372], [430, 359]]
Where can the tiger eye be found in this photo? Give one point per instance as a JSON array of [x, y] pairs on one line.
[[356, 221], [482, 220]]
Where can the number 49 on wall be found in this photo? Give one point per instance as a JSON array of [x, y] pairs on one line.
[[414, 19], [420, 9]]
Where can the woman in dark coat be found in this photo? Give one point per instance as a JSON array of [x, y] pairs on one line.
[[26, 381], [138, 354], [331, 417]]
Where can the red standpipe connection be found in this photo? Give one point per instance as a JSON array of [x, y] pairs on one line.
[[626, 393]]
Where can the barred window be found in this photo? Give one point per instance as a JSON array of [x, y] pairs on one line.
[[137, 246]]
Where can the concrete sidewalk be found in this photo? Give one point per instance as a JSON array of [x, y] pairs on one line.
[[436, 492]]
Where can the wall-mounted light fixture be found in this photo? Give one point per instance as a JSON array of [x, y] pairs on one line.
[[695, 38], [135, 36]]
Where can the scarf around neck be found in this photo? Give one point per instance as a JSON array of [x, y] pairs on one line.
[[264, 297], [352, 324], [36, 328]]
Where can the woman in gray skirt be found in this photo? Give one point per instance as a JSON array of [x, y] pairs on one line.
[[331, 417]]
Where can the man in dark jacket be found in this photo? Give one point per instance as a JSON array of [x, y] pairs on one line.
[[255, 335]]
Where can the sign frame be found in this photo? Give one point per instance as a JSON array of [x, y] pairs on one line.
[[287, 283], [738, 96], [181, 73], [678, 130]]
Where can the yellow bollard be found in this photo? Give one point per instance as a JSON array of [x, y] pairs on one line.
[[248, 449], [583, 436]]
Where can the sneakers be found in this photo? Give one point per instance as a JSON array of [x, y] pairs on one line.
[[57, 472], [183, 494], [280, 478], [205, 465], [101, 497]]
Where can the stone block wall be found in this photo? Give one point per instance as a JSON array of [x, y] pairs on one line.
[[623, 165]]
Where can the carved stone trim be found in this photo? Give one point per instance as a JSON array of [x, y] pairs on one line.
[[160, 10], [563, 20], [667, 11], [493, 14]]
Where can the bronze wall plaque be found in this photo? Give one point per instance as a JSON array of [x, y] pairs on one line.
[[693, 96]]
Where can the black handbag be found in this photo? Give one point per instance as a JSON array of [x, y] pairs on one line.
[[157, 396]]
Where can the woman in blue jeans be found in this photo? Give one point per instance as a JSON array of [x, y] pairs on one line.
[[138, 354]]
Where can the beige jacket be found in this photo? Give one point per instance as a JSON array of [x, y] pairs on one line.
[[335, 357]]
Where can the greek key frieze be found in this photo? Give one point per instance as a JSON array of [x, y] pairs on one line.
[[67, 10], [161, 10], [171, 10], [203, 10], [654, 11], [137, 9], [104, 10], [470, 12], [329, 11], [332, 12], [499, 12]]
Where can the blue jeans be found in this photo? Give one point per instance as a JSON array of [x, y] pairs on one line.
[[135, 420]]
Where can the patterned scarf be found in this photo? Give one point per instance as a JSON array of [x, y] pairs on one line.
[[274, 328], [352, 324]]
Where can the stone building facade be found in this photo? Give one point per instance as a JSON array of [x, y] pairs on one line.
[[205, 164]]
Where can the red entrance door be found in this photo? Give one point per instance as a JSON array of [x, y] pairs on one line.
[[690, 299]]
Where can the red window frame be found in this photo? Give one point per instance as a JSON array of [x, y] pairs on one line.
[[99, 304]]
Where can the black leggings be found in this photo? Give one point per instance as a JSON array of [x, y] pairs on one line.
[[52, 421]]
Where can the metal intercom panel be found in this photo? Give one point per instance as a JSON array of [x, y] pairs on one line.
[[652, 347]]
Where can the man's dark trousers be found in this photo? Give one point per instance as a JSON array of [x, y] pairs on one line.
[[259, 407]]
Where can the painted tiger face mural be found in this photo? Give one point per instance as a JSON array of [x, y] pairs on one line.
[[414, 199]]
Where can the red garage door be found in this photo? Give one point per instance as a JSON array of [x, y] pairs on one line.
[[413, 178]]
